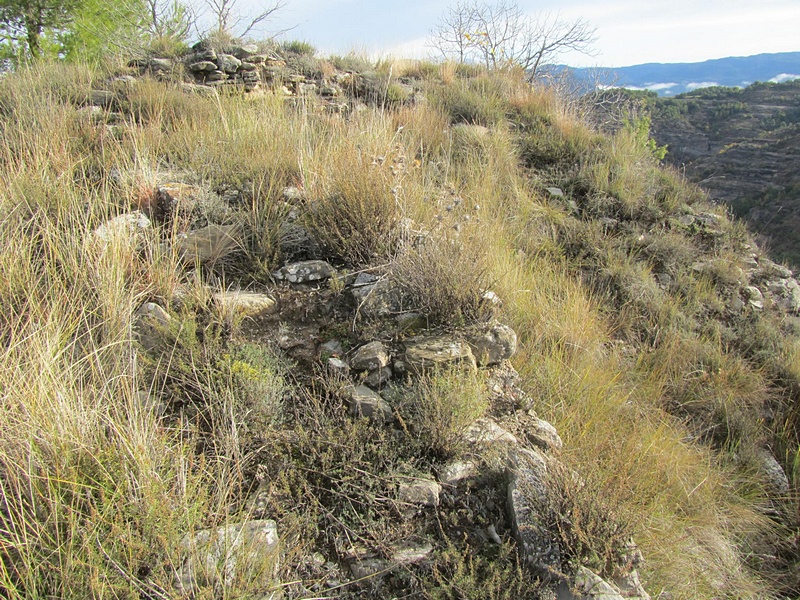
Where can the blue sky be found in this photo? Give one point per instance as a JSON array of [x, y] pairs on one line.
[[629, 31]]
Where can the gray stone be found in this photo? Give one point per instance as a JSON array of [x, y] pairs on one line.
[[363, 402], [421, 492], [248, 304], [160, 64], [379, 377], [456, 471], [244, 51], [103, 98], [377, 300], [306, 89], [217, 556], [127, 228], [228, 63], [149, 320], [247, 67], [370, 357], [206, 54], [485, 431], [529, 513], [492, 345], [208, 244], [555, 192], [630, 587], [305, 271], [544, 435], [330, 91], [770, 269], [423, 353], [203, 66]]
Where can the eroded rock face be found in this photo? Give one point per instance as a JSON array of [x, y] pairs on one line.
[[217, 556], [492, 344], [126, 228], [528, 509], [370, 357], [424, 353], [364, 402]]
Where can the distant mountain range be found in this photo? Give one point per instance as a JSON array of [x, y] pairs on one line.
[[677, 78]]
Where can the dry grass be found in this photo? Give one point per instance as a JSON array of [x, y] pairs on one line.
[[97, 491]]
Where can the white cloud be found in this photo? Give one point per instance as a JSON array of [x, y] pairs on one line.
[[655, 87], [701, 84], [784, 77]]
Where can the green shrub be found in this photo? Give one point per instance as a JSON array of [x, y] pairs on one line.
[[298, 47]]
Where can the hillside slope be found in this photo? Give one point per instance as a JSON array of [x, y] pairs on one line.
[[343, 329], [743, 146]]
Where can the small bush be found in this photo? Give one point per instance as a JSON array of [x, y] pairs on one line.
[[299, 48], [444, 278], [438, 408]]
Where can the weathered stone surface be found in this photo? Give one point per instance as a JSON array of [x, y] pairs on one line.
[[785, 294], [228, 63], [366, 564], [456, 471], [528, 511], [203, 66], [248, 304], [216, 556], [305, 271], [424, 353], [493, 344], [125, 228], [421, 492], [243, 51], [485, 431], [363, 402], [160, 64], [544, 435], [379, 377], [208, 244], [370, 357], [337, 365], [630, 587], [149, 319], [769, 269], [375, 300]]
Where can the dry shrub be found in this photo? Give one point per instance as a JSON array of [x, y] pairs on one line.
[[445, 277], [439, 407], [358, 216]]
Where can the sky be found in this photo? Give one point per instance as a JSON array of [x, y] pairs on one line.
[[628, 31]]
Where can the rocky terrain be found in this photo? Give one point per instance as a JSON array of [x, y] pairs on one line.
[[326, 329], [741, 145]]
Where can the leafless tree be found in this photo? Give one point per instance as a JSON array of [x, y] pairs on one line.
[[229, 20], [502, 34]]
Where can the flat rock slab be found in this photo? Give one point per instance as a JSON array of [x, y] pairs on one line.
[[485, 431], [208, 244], [217, 556], [305, 271], [426, 353], [248, 304]]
